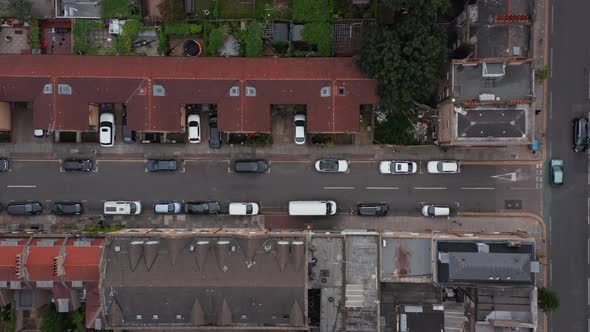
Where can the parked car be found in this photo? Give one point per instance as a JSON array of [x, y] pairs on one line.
[[251, 166], [243, 209], [444, 167], [397, 167], [168, 207], [4, 165], [77, 165], [202, 207], [24, 208], [331, 165], [580, 134], [299, 123], [431, 210], [214, 133], [122, 207], [156, 165], [107, 129], [372, 209], [194, 128], [557, 177], [128, 134], [67, 208]]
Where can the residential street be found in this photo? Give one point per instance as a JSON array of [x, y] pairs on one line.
[[515, 188], [569, 220]]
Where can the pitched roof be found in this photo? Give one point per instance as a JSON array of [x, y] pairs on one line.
[[82, 259], [40, 263], [134, 80], [9, 249]]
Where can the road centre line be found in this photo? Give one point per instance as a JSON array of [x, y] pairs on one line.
[[519, 188], [21, 186], [381, 188], [477, 188], [430, 188], [338, 188]]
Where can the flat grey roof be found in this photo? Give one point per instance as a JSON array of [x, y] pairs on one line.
[[79, 8], [515, 84], [480, 266], [485, 122], [489, 9], [496, 41], [406, 257]]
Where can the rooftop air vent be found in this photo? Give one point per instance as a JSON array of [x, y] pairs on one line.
[[48, 89], [117, 249], [342, 91], [326, 91], [234, 91], [159, 90], [64, 89], [77, 284], [138, 317], [250, 91]]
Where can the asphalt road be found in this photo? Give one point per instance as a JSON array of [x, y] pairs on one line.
[[476, 188], [569, 209]]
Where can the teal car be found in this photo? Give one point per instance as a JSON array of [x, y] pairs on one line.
[[557, 172]]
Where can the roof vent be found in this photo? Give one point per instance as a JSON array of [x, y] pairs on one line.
[[138, 317], [117, 249], [155, 316], [159, 90], [141, 91], [64, 89], [77, 284], [493, 70], [191, 248], [179, 317], [341, 91], [234, 91], [483, 247], [443, 257], [250, 91], [48, 89], [326, 91]]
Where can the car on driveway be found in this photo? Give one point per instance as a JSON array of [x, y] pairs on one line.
[[557, 177], [580, 134], [444, 167], [243, 208], [299, 123], [214, 133], [24, 208], [431, 210], [77, 165], [397, 167], [202, 207], [331, 165], [4, 165], [251, 166], [372, 209], [156, 165], [194, 128], [167, 207], [107, 129], [67, 208]]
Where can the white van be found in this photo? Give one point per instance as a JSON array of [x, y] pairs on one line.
[[122, 207], [312, 208]]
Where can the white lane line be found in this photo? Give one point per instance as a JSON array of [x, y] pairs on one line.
[[588, 291], [477, 188], [430, 188], [551, 102], [588, 211], [21, 186], [524, 188], [382, 188], [588, 251], [338, 188], [552, 16]]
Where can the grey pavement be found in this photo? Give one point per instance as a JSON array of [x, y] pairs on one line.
[[568, 218], [478, 188]]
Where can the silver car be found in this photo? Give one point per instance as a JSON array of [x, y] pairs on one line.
[[168, 207]]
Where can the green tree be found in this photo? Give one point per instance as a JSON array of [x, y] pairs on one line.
[[171, 10], [320, 34], [52, 321], [547, 299], [254, 45], [20, 9], [417, 7], [216, 37]]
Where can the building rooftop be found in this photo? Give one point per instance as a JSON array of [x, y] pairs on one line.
[[154, 88], [78, 8], [497, 41], [489, 122], [481, 262], [492, 81], [205, 280], [406, 258], [489, 10]]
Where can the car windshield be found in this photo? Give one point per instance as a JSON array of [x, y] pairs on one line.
[[557, 174], [439, 167], [299, 123], [132, 207], [329, 164], [328, 208], [170, 207], [193, 123], [249, 209], [431, 210], [199, 207], [28, 207]]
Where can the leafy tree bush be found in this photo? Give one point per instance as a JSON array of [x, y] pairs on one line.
[[20, 9], [52, 321], [124, 43], [216, 37], [102, 229], [115, 9], [82, 29], [34, 33], [254, 46], [171, 10], [547, 299], [543, 73], [313, 10], [320, 34]]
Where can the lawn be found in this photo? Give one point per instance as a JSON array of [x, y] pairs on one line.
[[257, 9]]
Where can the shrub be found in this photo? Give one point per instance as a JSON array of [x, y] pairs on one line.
[[115, 9], [547, 299], [313, 10], [82, 29], [254, 46], [216, 37], [34, 34], [320, 34], [102, 229], [124, 43], [20, 9], [543, 73]]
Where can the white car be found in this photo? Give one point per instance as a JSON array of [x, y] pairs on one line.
[[397, 167], [331, 166], [430, 210], [194, 128], [107, 129], [168, 207], [243, 209], [444, 167], [299, 123]]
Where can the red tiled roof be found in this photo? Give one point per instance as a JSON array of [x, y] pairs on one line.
[[190, 80], [41, 261], [81, 263], [8, 260]]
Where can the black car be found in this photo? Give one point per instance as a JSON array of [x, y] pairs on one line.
[[80, 165], [128, 134], [4, 165], [580, 134], [251, 166], [67, 208], [155, 165], [372, 209], [202, 207], [214, 133], [24, 208]]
